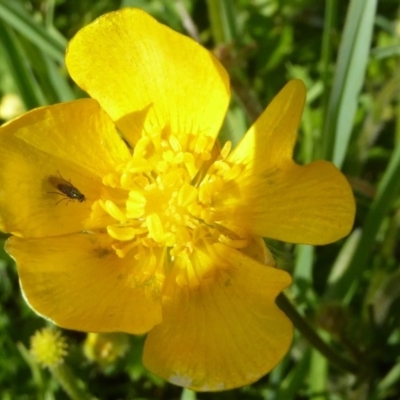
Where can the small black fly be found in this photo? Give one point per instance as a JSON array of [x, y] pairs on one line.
[[66, 188]]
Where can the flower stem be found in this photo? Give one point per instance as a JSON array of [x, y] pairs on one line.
[[314, 339], [70, 383]]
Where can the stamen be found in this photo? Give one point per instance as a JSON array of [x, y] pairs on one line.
[[175, 144], [160, 204], [135, 205], [122, 249], [226, 150], [155, 227], [114, 211], [235, 243], [120, 232], [140, 150], [202, 145], [111, 180], [187, 194]]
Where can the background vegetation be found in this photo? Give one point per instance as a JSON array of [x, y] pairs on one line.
[[347, 53]]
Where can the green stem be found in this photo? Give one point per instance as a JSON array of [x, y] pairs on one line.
[[315, 340], [71, 385]]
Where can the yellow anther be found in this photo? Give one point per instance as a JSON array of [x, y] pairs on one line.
[[195, 209], [221, 166], [233, 172], [175, 144], [172, 178], [162, 166], [111, 180], [169, 239], [235, 243], [191, 170], [141, 147], [120, 232], [226, 150], [202, 144], [112, 209], [182, 236], [187, 194], [208, 216], [201, 232], [164, 144], [126, 180], [140, 181], [188, 159], [179, 158], [168, 156], [154, 225], [139, 165], [135, 205], [209, 188], [122, 249]]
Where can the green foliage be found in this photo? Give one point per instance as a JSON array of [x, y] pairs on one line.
[[349, 292]]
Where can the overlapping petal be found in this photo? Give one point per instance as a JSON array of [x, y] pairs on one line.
[[77, 140], [79, 283], [150, 78], [227, 332], [271, 139], [276, 198]]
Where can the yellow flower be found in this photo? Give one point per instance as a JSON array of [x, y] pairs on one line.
[[49, 347], [160, 229], [105, 348]]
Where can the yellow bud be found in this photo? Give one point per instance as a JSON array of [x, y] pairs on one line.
[[48, 347], [105, 348]]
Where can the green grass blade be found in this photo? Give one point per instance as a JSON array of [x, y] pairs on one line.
[[330, 19], [318, 375], [344, 257], [58, 81], [222, 21], [188, 395], [304, 262], [391, 379], [348, 79], [15, 16], [302, 273], [294, 381], [344, 287], [52, 77], [26, 84], [385, 52]]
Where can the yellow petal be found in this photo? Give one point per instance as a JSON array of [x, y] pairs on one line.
[[271, 138], [79, 283], [142, 72], [258, 251], [311, 204], [77, 140], [275, 198], [226, 333]]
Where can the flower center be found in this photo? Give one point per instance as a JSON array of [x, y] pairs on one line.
[[163, 198]]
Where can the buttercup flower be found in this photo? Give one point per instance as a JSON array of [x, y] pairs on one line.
[[128, 217]]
